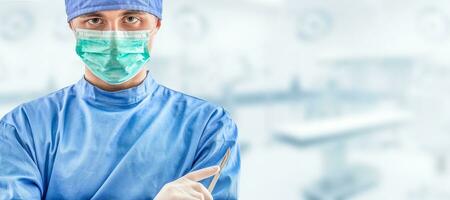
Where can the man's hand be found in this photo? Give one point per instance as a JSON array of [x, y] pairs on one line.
[[188, 187]]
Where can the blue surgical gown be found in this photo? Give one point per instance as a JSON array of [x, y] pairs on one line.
[[82, 142]]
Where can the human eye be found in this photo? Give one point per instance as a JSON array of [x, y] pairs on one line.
[[131, 19], [95, 21]]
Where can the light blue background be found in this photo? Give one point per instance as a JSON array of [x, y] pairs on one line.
[[276, 64]]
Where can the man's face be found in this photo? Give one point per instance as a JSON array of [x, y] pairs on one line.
[[118, 20]]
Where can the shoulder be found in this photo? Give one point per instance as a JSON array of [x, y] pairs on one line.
[[186, 101], [214, 116]]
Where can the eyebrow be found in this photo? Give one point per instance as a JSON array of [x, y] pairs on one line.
[[128, 12], [94, 14]]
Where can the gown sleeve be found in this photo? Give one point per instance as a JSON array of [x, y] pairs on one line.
[[19, 175], [220, 134]]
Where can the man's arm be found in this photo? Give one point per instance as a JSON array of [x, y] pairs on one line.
[[220, 134], [19, 175]]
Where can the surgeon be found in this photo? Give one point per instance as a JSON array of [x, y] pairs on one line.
[[117, 133]]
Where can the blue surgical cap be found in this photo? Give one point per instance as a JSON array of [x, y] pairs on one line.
[[75, 8]]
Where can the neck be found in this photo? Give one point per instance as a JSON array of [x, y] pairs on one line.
[[135, 81]]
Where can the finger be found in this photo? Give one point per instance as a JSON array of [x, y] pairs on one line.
[[202, 189], [198, 187], [202, 173], [197, 195]]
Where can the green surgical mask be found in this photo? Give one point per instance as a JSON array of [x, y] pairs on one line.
[[113, 56]]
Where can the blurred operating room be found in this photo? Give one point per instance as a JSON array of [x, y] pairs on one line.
[[333, 99]]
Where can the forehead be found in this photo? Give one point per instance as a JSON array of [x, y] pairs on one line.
[[115, 13]]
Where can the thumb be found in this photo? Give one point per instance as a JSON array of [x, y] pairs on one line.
[[202, 173]]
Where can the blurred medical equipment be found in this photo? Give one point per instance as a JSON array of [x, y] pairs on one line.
[[385, 77], [293, 95], [340, 180], [191, 24], [313, 25], [19, 23], [433, 23]]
